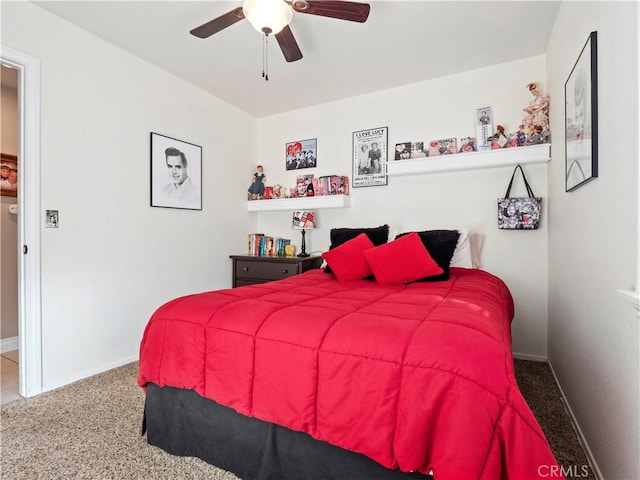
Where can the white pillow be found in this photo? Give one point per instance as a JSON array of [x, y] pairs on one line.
[[462, 253], [467, 252]]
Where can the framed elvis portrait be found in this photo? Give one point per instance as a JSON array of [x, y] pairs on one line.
[[370, 157], [176, 173], [581, 118]]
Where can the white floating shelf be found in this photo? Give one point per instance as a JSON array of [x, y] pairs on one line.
[[304, 203], [504, 157]]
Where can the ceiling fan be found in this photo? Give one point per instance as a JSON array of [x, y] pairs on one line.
[[273, 17]]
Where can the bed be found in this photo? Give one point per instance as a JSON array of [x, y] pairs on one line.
[[319, 377]]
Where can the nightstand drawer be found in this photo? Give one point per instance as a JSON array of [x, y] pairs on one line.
[[265, 271], [251, 270]]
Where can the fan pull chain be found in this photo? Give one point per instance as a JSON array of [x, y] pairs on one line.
[[265, 58]]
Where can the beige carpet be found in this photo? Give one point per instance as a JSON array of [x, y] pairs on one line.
[[91, 430]]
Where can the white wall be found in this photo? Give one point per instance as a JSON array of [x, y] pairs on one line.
[[593, 332], [426, 111], [114, 259], [8, 221]]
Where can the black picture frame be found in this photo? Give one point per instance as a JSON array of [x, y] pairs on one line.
[[581, 117], [176, 173], [370, 166]]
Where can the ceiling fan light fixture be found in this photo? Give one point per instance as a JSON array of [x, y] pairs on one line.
[[300, 5], [267, 16]]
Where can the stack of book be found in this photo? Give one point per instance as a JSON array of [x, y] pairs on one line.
[[266, 246]]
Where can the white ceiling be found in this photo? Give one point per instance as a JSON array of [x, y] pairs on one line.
[[402, 42]]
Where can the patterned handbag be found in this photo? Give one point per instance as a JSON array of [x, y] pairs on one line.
[[519, 213]]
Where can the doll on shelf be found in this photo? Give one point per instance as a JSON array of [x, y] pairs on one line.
[[537, 110], [256, 189], [498, 139]]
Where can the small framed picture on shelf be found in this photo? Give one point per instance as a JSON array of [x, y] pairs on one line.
[[302, 154], [418, 151], [370, 157], [467, 144], [446, 146], [304, 186], [403, 151]]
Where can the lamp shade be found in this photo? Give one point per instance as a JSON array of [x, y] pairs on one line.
[[303, 220], [267, 16]]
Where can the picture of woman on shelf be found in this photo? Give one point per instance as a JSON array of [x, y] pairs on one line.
[[301, 188]]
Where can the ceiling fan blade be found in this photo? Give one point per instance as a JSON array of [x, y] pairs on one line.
[[217, 24], [288, 45], [352, 11]]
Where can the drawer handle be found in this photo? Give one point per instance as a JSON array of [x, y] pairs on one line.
[[285, 271], [246, 269]]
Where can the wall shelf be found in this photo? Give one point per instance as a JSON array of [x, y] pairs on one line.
[[303, 203], [471, 160]]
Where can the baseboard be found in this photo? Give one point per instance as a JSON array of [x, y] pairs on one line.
[[89, 373], [583, 442], [528, 356], [9, 344]]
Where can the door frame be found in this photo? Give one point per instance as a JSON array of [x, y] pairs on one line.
[[29, 221]]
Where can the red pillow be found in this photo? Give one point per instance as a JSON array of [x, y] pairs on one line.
[[400, 261], [346, 261]]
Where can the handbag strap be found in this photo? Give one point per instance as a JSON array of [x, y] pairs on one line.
[[524, 177]]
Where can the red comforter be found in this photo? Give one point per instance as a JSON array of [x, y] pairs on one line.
[[417, 376]]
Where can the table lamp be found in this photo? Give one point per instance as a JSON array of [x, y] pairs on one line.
[[303, 221]]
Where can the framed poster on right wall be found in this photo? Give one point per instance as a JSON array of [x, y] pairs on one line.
[[581, 117]]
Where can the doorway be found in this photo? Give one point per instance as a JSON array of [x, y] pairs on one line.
[[9, 235], [29, 219]]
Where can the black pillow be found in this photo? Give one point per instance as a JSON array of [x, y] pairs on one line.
[[440, 244], [377, 235]]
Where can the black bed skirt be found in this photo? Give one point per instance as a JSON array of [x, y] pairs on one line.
[[181, 422]]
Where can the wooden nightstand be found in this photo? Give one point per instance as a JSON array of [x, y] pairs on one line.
[[251, 270]]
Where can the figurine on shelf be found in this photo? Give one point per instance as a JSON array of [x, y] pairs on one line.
[[537, 110], [517, 139], [539, 136], [498, 139], [256, 189]]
